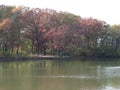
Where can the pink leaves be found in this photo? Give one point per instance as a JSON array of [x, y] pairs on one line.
[[59, 30]]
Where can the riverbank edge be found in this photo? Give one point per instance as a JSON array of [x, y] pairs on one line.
[[32, 58], [52, 57]]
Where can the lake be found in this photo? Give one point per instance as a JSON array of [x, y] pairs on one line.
[[60, 75]]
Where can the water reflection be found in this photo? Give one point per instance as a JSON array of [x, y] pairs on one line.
[[60, 75], [63, 76], [112, 71]]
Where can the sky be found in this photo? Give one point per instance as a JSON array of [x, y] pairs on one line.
[[106, 10]]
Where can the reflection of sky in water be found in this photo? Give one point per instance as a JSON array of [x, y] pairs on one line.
[[109, 88], [112, 71], [68, 76], [111, 76]]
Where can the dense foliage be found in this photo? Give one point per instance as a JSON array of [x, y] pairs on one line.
[[26, 30]]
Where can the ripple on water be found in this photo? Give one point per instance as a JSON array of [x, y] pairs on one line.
[[67, 76]]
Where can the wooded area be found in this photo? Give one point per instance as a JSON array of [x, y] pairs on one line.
[[25, 31]]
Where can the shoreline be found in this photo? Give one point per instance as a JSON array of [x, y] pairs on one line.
[[53, 57], [32, 58]]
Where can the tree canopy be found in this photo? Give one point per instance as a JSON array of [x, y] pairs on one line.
[[25, 30]]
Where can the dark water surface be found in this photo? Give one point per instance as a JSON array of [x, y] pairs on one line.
[[60, 75]]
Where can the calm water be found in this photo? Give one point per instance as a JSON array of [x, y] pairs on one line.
[[60, 75]]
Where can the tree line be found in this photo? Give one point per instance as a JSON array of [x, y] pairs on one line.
[[25, 31]]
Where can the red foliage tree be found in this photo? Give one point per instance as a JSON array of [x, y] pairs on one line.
[[90, 29]]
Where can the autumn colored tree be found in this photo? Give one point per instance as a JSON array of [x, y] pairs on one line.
[[5, 15], [36, 27], [35, 30]]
